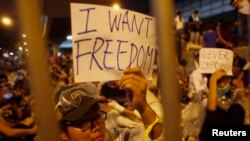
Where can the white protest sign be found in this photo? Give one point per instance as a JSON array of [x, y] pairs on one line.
[[212, 59], [107, 40]]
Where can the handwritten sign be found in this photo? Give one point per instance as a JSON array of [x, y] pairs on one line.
[[212, 59], [107, 40]]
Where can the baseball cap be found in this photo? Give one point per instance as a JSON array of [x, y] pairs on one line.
[[73, 102]]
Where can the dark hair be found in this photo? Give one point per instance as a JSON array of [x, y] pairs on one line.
[[245, 79], [196, 11], [109, 92], [63, 126], [183, 62], [239, 62], [210, 25], [178, 12], [113, 92], [3, 78], [23, 84]]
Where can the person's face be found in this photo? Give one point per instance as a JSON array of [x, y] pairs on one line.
[[223, 82], [92, 129]]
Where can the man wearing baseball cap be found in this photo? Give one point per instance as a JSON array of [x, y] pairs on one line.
[[83, 119]]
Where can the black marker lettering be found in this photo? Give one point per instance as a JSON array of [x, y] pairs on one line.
[[105, 55], [86, 30], [95, 51], [125, 21], [134, 24], [115, 22], [78, 54], [149, 19], [131, 61], [120, 52]]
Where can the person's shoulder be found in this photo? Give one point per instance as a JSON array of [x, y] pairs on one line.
[[236, 114], [236, 106], [236, 109]]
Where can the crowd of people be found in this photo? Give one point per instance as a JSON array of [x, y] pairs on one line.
[[18, 117], [218, 98], [195, 33]]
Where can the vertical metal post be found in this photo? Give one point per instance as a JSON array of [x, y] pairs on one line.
[[170, 95], [30, 14]]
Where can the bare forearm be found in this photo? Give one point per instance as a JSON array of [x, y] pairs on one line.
[[212, 96], [148, 117], [18, 132], [15, 132]]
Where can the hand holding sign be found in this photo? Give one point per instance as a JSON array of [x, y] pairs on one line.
[[134, 81]]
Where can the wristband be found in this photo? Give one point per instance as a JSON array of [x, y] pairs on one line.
[[150, 127]]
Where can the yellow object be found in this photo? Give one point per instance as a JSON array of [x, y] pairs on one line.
[[149, 128]]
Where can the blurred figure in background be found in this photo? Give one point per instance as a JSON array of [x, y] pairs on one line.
[[222, 108], [194, 25], [14, 124], [122, 112], [243, 8]]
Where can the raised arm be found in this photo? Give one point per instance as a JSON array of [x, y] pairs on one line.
[[134, 81], [212, 96], [15, 132]]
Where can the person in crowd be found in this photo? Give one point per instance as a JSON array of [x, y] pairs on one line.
[[197, 80], [243, 7], [3, 78], [58, 76], [8, 133], [121, 110], [12, 129], [194, 23], [240, 83], [221, 109], [82, 117], [21, 91], [238, 65], [20, 75], [210, 37], [124, 112], [194, 112], [224, 34], [179, 24], [182, 78]]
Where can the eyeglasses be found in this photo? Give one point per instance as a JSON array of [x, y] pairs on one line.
[[91, 123]]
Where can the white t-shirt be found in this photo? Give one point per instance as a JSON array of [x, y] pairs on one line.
[[126, 134], [116, 119], [179, 23], [197, 83]]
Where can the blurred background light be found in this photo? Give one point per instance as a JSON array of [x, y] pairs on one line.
[[6, 21], [116, 6]]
